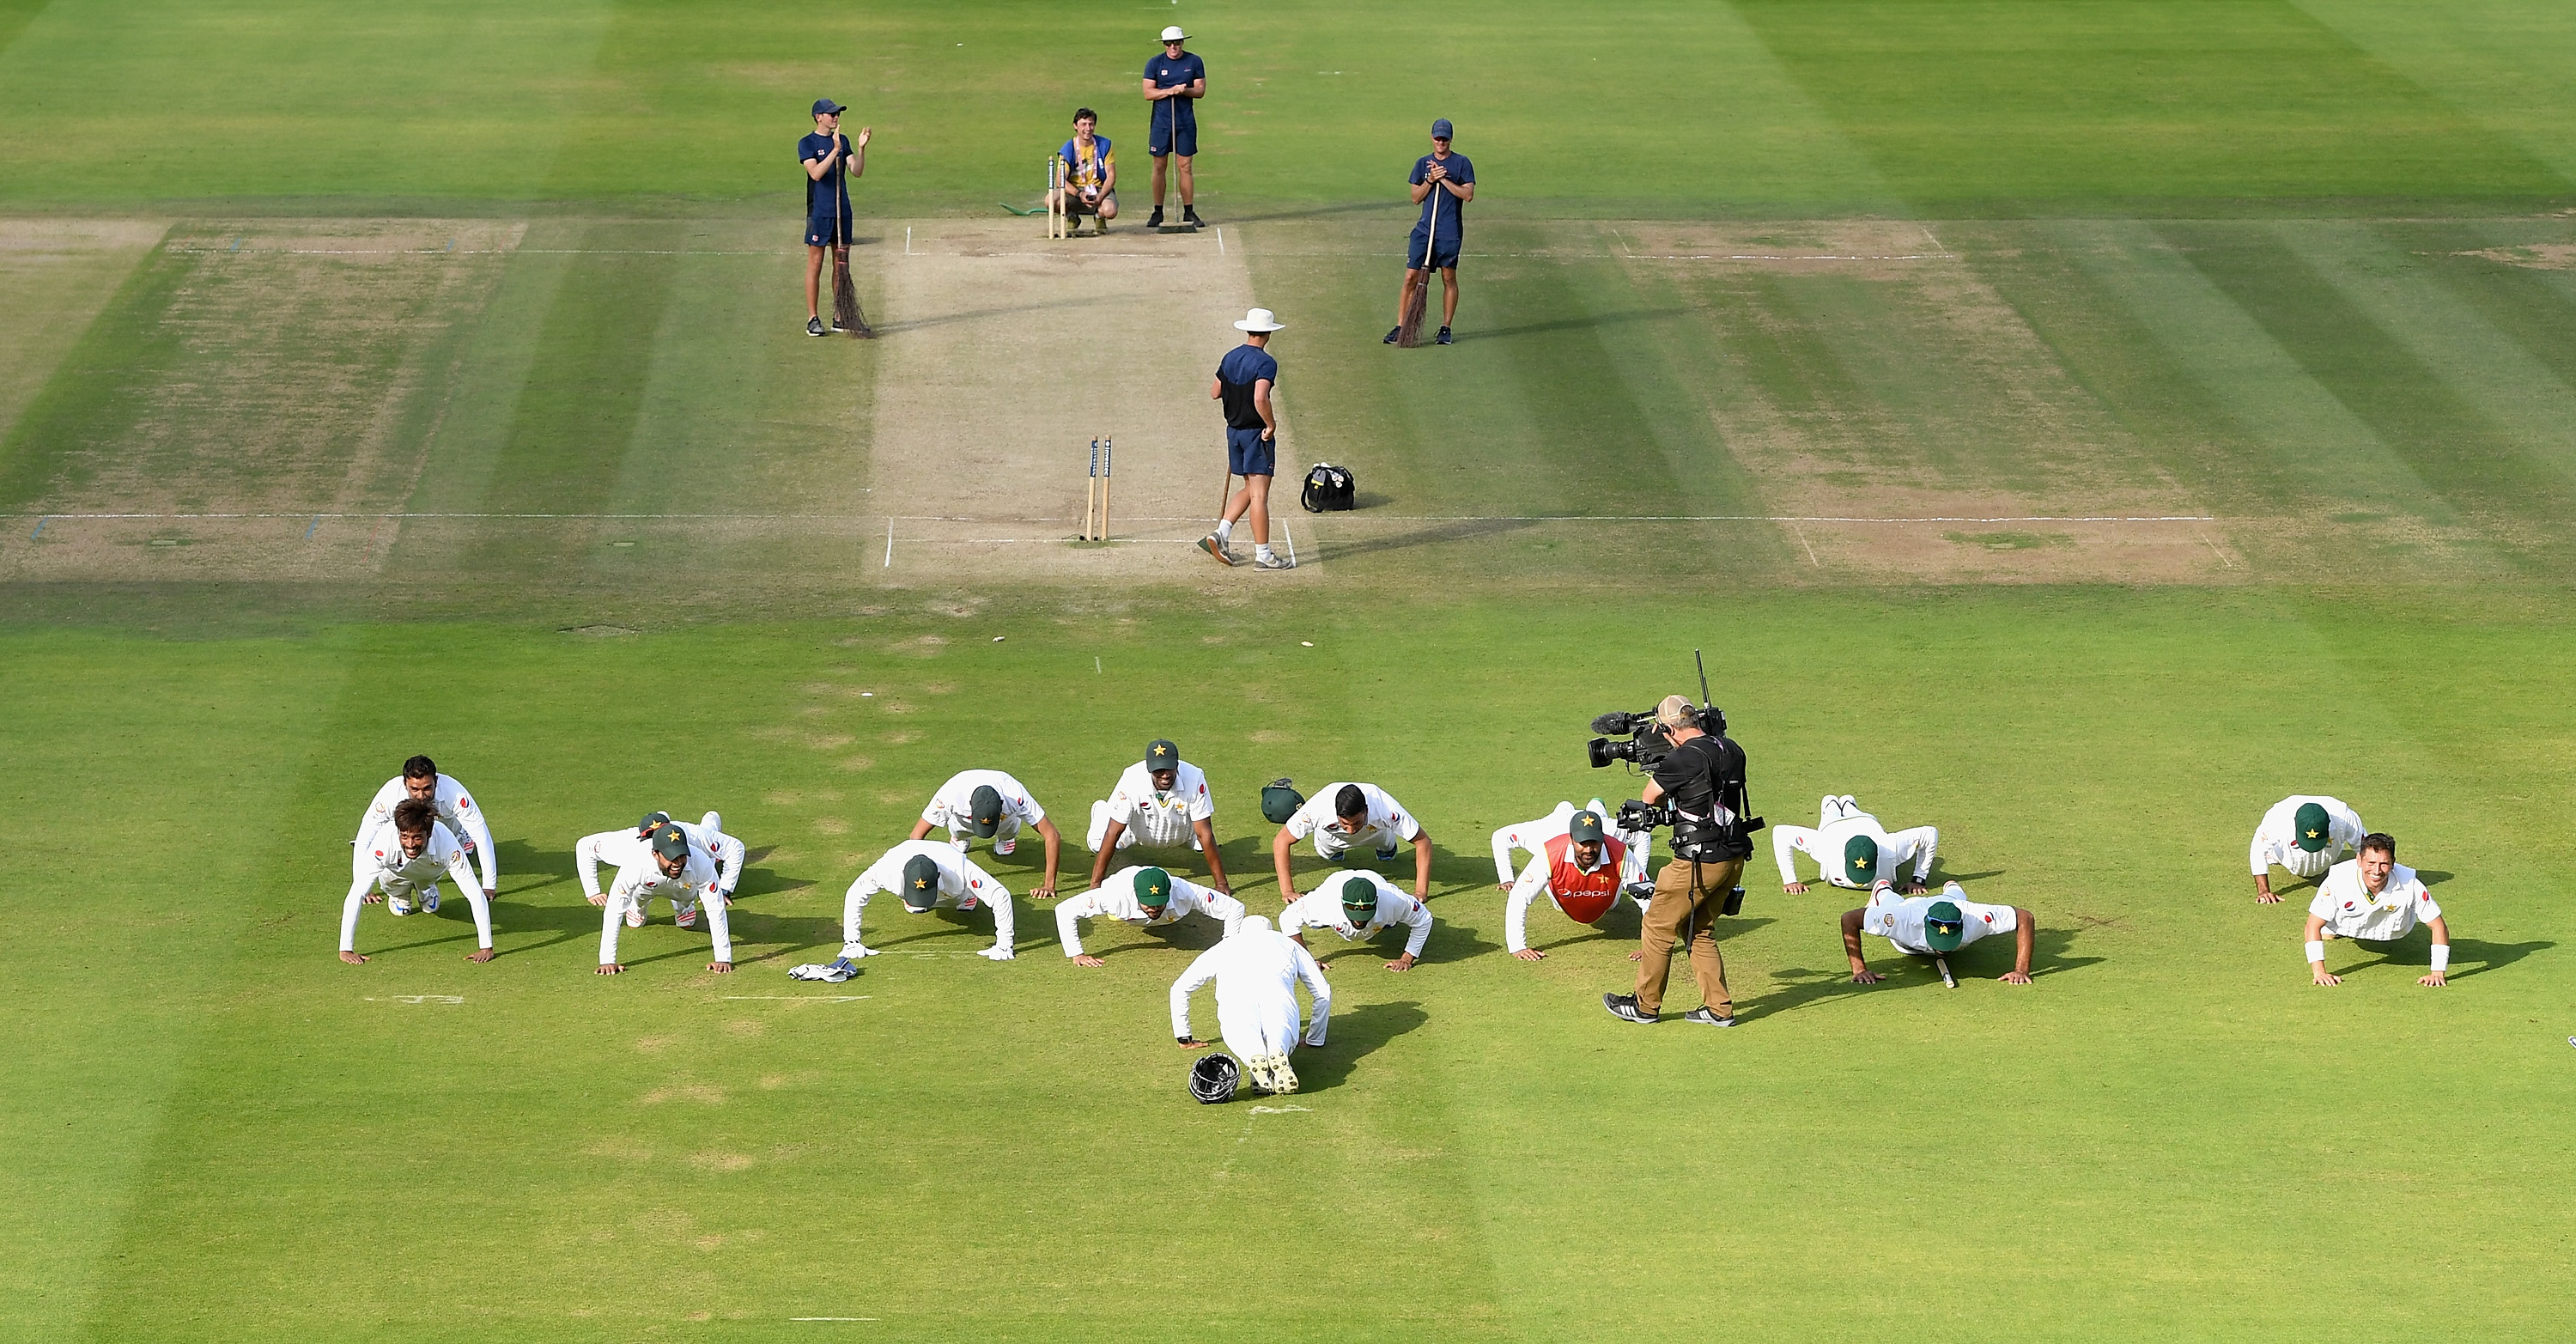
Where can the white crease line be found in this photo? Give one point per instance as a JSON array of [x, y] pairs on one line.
[[796, 998], [1811, 551], [1192, 519]]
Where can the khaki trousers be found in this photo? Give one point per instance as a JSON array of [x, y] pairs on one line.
[[1687, 899]]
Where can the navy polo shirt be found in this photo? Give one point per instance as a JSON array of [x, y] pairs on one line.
[[1452, 210], [820, 192], [1243, 366], [1172, 72]]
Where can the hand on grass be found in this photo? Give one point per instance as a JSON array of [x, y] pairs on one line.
[[1865, 976], [1086, 959], [1530, 954], [353, 959], [479, 954], [1402, 963], [1042, 892], [720, 967], [2318, 974], [597, 900], [1638, 955], [1193, 1043], [1795, 888], [610, 968], [2266, 898], [372, 898], [2015, 977], [2436, 980]]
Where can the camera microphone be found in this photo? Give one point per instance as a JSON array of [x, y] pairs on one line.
[[1616, 723]]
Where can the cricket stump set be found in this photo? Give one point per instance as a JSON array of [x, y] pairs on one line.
[[1095, 499]]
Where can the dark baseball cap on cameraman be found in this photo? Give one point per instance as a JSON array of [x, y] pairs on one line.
[[1160, 754], [671, 842], [1584, 827], [984, 810], [823, 105]]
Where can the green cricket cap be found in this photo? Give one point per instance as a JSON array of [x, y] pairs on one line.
[[920, 883], [1280, 801], [671, 842], [1153, 888], [2311, 828], [650, 820], [1944, 927], [1584, 827], [1860, 860], [984, 810], [1359, 894], [1160, 754]]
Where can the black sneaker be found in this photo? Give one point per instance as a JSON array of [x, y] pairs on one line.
[[1624, 1007], [1442, 338], [1155, 220], [1391, 334], [1705, 1018], [813, 326], [1190, 216]]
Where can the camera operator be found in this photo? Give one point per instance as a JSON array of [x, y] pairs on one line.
[[1702, 781]]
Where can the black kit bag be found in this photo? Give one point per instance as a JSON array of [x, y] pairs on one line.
[[1329, 488]]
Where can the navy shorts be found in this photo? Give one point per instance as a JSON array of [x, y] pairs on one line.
[[1159, 142], [820, 230], [1247, 455], [1444, 252]]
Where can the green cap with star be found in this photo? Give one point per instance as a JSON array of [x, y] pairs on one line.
[[984, 811], [1359, 896], [1860, 860], [1153, 888], [671, 842], [1945, 926], [2310, 827], [1584, 827], [1161, 754], [920, 883]]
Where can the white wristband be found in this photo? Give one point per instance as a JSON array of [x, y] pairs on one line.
[[2316, 949], [2441, 958]]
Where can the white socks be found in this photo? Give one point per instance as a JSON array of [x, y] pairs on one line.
[[1224, 529], [1261, 552]]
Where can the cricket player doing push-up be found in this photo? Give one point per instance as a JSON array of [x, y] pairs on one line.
[[1161, 802], [621, 847], [403, 855], [2304, 833], [2371, 897], [1935, 926], [1357, 905], [1144, 898], [990, 805], [922, 874], [1852, 850], [1580, 870], [1347, 817], [1532, 836], [677, 871], [1256, 971], [454, 807]]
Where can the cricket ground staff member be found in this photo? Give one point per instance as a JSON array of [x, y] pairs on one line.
[[404, 855], [1929, 926], [1161, 802], [618, 848], [923, 873], [1580, 870], [2373, 897], [990, 805], [1702, 779], [676, 871], [1852, 850], [2305, 833], [1175, 79], [1090, 173], [454, 807], [1256, 972], [1243, 382], [1344, 817], [1442, 183], [1357, 905], [831, 159], [1533, 835], [1143, 897]]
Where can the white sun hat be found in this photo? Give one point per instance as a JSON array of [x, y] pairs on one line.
[[1174, 34], [1260, 319]]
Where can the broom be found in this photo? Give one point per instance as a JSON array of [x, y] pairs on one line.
[[1408, 328], [846, 316]]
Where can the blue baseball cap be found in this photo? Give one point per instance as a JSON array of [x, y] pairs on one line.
[[1440, 129], [823, 105]]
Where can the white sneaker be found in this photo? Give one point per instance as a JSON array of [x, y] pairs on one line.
[[686, 916], [1274, 560], [397, 906], [429, 901], [1282, 1078], [961, 842], [1005, 847], [635, 916]]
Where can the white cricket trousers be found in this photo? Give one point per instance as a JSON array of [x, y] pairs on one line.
[[1265, 1027]]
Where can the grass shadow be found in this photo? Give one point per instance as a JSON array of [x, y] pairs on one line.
[[1353, 1035], [2413, 951], [1467, 529], [1584, 323]]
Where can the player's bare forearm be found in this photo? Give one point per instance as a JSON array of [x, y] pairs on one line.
[[1422, 865], [1216, 864], [1054, 853], [2263, 890], [2025, 936], [1108, 846], [1279, 846], [919, 829], [1861, 974]]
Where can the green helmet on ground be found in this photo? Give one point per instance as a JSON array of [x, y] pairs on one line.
[[920, 883], [1280, 801]]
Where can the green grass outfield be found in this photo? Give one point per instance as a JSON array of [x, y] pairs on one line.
[[2298, 275]]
